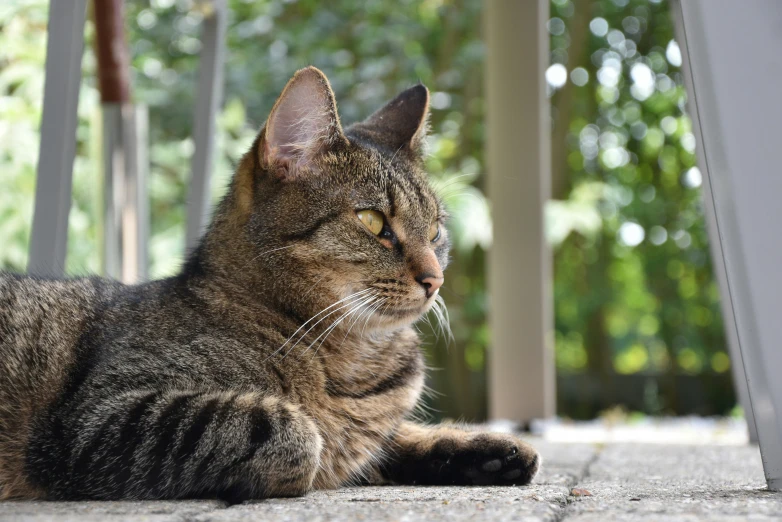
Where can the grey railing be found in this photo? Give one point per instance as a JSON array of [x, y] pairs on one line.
[[126, 232]]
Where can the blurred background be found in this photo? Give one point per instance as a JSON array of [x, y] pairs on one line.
[[638, 329]]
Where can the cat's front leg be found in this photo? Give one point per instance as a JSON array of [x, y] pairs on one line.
[[446, 455], [179, 444]]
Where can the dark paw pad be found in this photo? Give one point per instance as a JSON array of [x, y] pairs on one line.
[[483, 460]]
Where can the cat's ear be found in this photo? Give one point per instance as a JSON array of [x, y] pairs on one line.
[[402, 122], [302, 125]]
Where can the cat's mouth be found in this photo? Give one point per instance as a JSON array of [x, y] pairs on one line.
[[388, 303], [404, 312], [410, 311]]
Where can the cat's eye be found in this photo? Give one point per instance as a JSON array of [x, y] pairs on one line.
[[434, 232], [372, 219]]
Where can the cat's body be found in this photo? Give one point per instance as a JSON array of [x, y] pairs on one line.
[[282, 358], [181, 336]]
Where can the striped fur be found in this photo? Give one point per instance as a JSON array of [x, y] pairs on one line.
[[281, 359]]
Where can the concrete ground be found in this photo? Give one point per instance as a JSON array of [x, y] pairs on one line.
[[711, 477]]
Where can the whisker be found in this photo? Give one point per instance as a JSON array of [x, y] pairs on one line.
[[444, 319], [369, 316], [268, 252], [351, 296], [356, 320], [428, 319], [336, 323], [312, 287], [450, 181], [346, 305]]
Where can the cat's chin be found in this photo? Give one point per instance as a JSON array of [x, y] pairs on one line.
[[389, 323], [392, 318]]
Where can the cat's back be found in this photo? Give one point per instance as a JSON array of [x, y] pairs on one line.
[[37, 311], [41, 322]]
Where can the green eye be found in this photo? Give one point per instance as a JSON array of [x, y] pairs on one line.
[[434, 232], [372, 219]]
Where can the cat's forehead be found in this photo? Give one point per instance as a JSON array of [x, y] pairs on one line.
[[409, 193], [401, 184]]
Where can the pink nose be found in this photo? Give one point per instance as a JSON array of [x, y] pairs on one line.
[[430, 283]]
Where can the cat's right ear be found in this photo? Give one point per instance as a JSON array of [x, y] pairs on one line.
[[302, 125], [402, 123]]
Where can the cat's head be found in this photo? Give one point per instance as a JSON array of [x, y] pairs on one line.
[[343, 218]]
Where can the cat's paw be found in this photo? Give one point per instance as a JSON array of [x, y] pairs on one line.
[[484, 459]]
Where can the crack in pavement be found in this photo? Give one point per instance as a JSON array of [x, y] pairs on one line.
[[570, 500]]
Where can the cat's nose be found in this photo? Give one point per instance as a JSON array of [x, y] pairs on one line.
[[430, 283], [429, 274]]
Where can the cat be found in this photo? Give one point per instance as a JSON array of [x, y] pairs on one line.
[[282, 357]]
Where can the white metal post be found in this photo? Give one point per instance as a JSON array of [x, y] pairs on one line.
[[731, 49], [124, 196], [125, 206], [731, 336], [64, 50], [210, 86], [521, 361]]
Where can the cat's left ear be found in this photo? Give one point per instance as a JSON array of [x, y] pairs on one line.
[[302, 125], [402, 123]]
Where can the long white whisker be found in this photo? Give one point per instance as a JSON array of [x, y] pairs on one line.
[[330, 331], [351, 296], [444, 320], [428, 320], [312, 286], [356, 319], [341, 318], [440, 185], [438, 319], [302, 336], [369, 315], [269, 252]]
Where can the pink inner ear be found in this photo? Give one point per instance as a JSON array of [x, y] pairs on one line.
[[302, 122]]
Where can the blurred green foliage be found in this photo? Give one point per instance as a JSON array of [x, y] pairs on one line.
[[633, 284], [634, 288]]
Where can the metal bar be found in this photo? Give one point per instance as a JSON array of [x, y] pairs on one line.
[[140, 166], [731, 336], [124, 203], [125, 208], [729, 47], [113, 171], [64, 49], [210, 85], [521, 365]]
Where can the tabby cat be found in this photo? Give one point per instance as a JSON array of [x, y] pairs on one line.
[[282, 358]]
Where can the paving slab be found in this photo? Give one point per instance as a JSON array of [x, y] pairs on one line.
[[648, 482], [617, 481], [544, 500], [157, 511], [433, 504]]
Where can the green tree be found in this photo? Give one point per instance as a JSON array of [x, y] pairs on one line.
[[635, 293]]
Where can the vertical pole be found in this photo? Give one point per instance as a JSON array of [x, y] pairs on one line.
[[124, 200], [125, 208], [210, 86], [111, 51], [64, 50], [739, 128], [140, 166], [731, 336], [521, 370]]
